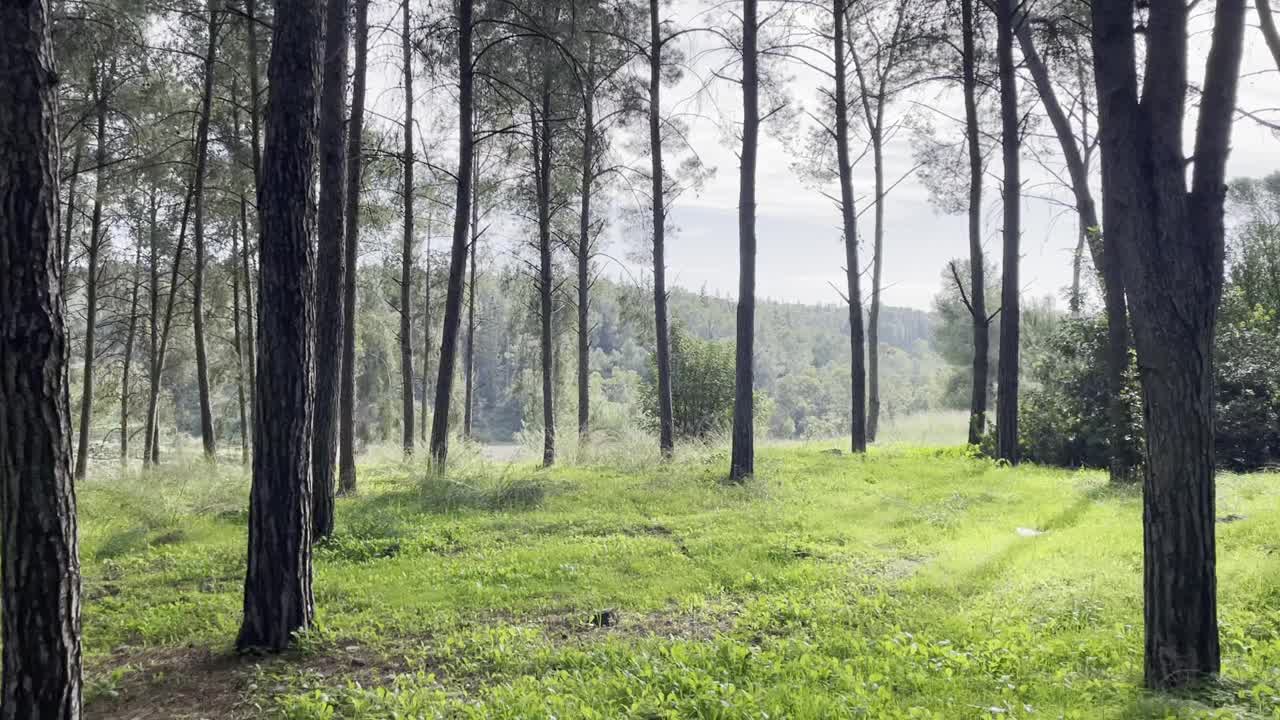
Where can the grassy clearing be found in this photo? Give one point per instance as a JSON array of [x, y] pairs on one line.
[[896, 586]]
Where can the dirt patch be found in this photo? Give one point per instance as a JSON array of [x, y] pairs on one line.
[[670, 625], [210, 684]]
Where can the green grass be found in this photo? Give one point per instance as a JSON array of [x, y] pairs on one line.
[[831, 586]]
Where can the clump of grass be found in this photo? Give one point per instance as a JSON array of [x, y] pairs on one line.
[[451, 493]]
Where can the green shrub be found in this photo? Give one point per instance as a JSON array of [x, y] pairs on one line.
[[702, 377]]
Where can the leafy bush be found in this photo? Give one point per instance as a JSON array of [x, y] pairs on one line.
[[702, 378], [1063, 411], [1247, 354]]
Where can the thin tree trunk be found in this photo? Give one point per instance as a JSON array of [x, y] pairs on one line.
[[331, 268], [157, 368], [406, 250], [69, 216], [977, 262], [355, 163], [91, 282], [742, 463], [1007, 395], [458, 250], [207, 435], [542, 153], [849, 217], [41, 568], [278, 600], [1267, 22], [584, 270], [153, 318], [426, 334], [247, 357], [1120, 467], [126, 370], [662, 326], [877, 265], [239, 342], [255, 96], [470, 362]]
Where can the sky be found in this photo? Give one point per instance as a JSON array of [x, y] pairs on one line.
[[800, 255]]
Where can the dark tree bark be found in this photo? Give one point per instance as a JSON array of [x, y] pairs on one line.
[[977, 261], [662, 326], [355, 164], [1007, 389], [1169, 240], [584, 254], [239, 342], [469, 363], [406, 248], [207, 436], [331, 267], [458, 250], [247, 356], [427, 384], [41, 568], [91, 278], [543, 172], [149, 442], [277, 591], [742, 461], [157, 367], [1112, 281], [69, 215], [849, 218], [126, 370]]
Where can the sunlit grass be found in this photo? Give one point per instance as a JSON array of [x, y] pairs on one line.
[[895, 585]]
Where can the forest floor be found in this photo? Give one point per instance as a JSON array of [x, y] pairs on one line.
[[913, 583]]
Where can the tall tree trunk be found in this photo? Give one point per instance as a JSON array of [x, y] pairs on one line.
[[849, 218], [877, 265], [977, 262], [584, 269], [239, 343], [207, 436], [91, 280], [1120, 467], [277, 591], [69, 215], [1007, 391], [331, 267], [427, 384], [126, 370], [153, 319], [542, 153], [406, 250], [355, 164], [157, 367], [41, 567], [1170, 242], [662, 326], [458, 249], [255, 95], [248, 358], [469, 363], [742, 462]]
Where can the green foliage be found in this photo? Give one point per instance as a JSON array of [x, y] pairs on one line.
[[1063, 412], [1248, 386], [702, 382]]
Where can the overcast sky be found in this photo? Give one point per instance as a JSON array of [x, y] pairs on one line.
[[799, 250]]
